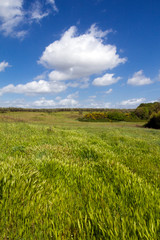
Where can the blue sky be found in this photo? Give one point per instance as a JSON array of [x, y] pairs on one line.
[[79, 53]]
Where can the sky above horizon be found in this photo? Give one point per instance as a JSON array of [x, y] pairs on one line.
[[79, 53]]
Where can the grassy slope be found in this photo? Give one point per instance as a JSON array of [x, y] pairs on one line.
[[94, 181]]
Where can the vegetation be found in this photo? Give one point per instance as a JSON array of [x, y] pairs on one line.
[[141, 113], [154, 121], [49, 110], [65, 179], [145, 110], [110, 116]]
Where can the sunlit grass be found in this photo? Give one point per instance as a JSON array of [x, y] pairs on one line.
[[88, 182]]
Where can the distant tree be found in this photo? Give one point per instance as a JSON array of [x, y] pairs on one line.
[[145, 110]]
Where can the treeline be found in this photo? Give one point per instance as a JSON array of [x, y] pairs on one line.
[[143, 112], [49, 110]]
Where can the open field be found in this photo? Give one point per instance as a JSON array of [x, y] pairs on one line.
[[60, 119], [65, 179]]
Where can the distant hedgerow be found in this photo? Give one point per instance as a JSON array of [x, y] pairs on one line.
[[110, 116]]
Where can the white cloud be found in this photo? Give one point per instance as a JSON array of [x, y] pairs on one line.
[[41, 76], [93, 104], [133, 102], [98, 33], [52, 2], [107, 105], [60, 76], [81, 83], [79, 56], [73, 95], [3, 65], [36, 12], [10, 8], [20, 103], [139, 79], [58, 98], [44, 103], [35, 87], [67, 102], [20, 34], [13, 16], [109, 91], [106, 80]]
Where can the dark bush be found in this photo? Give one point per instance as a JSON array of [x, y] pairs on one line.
[[154, 121]]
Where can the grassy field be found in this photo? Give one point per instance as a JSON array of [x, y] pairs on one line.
[[63, 179]]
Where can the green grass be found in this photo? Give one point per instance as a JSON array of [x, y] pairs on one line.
[[62, 179]]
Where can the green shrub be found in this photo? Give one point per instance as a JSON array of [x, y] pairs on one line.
[[95, 116], [116, 116], [145, 110], [110, 116], [142, 112], [154, 121]]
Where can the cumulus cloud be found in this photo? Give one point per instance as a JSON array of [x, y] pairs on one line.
[[139, 79], [95, 102], [13, 16], [44, 103], [3, 65], [79, 56], [34, 87], [20, 103], [106, 80], [60, 76], [133, 102], [68, 102]]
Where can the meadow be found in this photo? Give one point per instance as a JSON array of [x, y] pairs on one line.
[[63, 179]]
